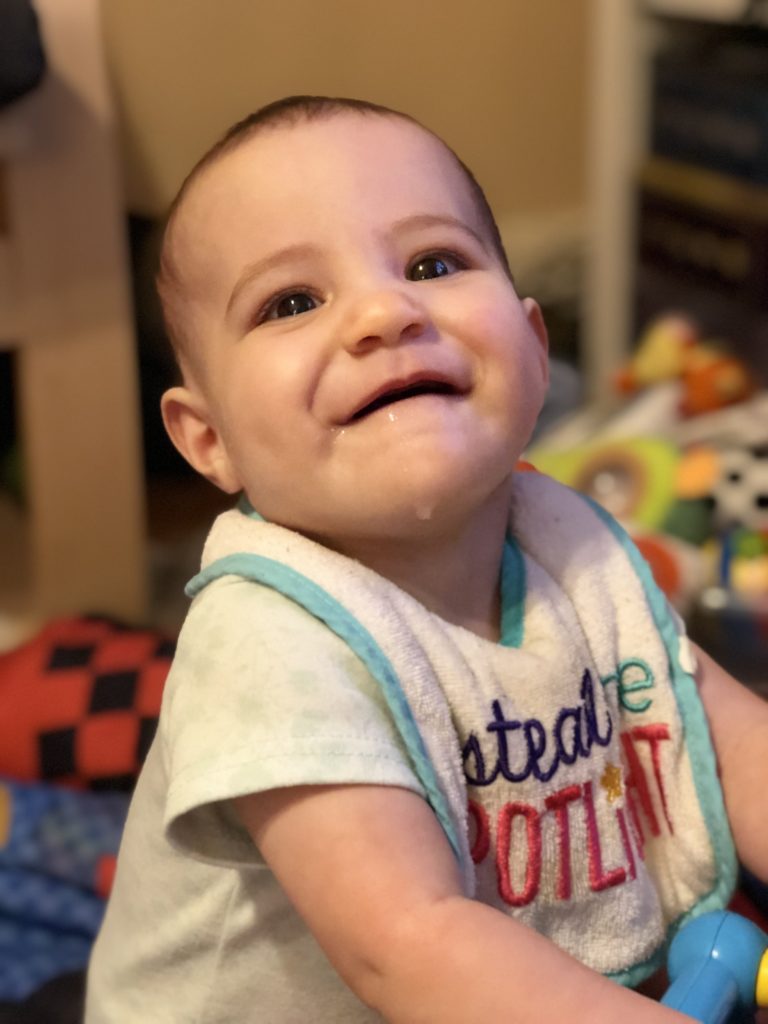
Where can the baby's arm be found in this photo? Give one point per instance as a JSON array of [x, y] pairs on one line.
[[738, 720], [373, 876]]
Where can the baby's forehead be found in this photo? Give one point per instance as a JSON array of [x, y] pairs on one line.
[[419, 151], [242, 176]]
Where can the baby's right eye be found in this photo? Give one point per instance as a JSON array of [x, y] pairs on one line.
[[289, 304]]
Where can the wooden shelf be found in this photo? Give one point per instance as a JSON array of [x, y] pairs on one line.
[[626, 35], [65, 310], [18, 618]]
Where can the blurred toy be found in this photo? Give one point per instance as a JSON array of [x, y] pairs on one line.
[[637, 481], [740, 492], [671, 348], [633, 479], [660, 354], [695, 501], [718, 968], [749, 576], [80, 700], [743, 564], [57, 858], [712, 379], [733, 481], [679, 568]]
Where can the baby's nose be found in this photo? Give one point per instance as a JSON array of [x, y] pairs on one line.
[[385, 316]]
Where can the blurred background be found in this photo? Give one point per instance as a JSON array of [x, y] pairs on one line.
[[93, 496], [624, 148], [623, 145]]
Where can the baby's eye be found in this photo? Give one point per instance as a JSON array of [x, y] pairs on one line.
[[435, 265], [291, 304]]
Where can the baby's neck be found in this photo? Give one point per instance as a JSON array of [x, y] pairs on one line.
[[455, 575]]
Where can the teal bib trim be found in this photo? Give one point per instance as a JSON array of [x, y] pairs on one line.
[[697, 739], [244, 506], [513, 584], [512, 595], [327, 609]]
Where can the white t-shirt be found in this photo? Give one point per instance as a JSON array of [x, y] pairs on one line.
[[197, 929]]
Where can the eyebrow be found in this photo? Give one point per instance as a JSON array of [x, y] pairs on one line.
[[278, 258], [446, 220]]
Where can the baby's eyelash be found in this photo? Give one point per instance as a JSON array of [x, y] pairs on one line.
[[452, 262], [270, 310]]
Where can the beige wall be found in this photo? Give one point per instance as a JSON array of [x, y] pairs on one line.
[[504, 81]]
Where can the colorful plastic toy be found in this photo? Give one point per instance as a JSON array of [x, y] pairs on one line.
[[671, 348], [718, 968]]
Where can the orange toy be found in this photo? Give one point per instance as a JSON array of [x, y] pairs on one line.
[[713, 379], [671, 348]]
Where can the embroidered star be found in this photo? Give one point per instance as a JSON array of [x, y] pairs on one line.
[[611, 782]]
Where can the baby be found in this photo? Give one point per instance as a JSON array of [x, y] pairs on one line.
[[433, 747]]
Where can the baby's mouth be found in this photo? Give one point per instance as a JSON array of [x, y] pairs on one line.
[[400, 393]]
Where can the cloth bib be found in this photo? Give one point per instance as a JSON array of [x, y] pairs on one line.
[[570, 764]]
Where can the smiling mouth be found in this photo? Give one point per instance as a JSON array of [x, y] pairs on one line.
[[400, 394]]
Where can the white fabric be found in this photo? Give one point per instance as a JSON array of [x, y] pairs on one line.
[[221, 938], [197, 931]]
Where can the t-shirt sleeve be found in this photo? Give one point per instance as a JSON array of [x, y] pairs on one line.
[[261, 695]]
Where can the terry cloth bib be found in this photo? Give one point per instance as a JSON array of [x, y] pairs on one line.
[[569, 765]]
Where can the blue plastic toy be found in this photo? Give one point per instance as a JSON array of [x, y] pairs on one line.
[[718, 969]]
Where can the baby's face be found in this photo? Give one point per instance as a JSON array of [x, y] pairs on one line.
[[362, 363]]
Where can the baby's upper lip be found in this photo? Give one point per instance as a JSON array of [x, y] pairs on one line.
[[420, 381]]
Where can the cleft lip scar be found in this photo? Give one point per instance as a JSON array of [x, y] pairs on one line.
[[396, 391]]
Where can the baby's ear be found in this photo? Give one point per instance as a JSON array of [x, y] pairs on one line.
[[538, 326], [188, 422]]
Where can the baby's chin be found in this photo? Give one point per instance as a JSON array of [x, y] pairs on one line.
[[416, 515]]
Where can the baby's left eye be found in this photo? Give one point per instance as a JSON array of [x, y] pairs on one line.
[[435, 265]]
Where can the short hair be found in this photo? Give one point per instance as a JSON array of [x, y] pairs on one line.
[[287, 112]]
